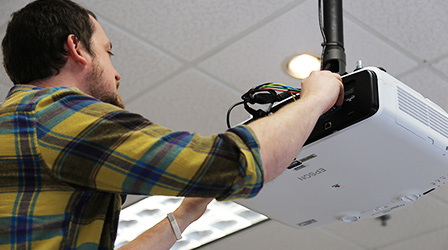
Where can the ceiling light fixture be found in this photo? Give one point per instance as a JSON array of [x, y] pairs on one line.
[[219, 220], [302, 65]]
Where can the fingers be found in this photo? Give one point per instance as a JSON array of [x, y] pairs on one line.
[[326, 86], [340, 99]]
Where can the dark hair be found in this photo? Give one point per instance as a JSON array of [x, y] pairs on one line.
[[33, 47]]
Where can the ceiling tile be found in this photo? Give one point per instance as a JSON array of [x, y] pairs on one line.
[[273, 235], [186, 28], [149, 65], [428, 213], [372, 51], [417, 26], [3, 92], [4, 78], [190, 101], [258, 58], [442, 66], [441, 193], [430, 84], [436, 240], [8, 7]]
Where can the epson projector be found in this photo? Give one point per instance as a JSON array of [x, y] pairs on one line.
[[382, 150]]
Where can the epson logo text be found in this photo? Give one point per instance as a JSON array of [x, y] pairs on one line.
[[311, 174]]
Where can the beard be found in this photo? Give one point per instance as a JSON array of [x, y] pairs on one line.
[[98, 89]]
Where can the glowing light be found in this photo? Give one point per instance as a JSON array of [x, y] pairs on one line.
[[302, 65]]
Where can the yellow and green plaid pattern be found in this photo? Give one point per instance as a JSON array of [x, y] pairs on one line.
[[66, 157]]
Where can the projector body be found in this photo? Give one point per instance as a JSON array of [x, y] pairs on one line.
[[382, 150]]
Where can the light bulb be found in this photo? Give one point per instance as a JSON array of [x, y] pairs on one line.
[[301, 66]]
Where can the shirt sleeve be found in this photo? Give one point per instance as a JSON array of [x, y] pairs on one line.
[[95, 145]]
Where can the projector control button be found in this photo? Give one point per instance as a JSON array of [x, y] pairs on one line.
[[380, 208], [350, 218], [410, 197]]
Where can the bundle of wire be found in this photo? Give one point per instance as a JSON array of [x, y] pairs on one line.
[[266, 93], [279, 87]]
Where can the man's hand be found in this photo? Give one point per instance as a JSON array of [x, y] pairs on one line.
[[325, 87], [282, 134]]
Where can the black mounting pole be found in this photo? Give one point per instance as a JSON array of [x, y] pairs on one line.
[[333, 56]]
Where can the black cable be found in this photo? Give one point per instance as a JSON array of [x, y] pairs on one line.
[[230, 110]]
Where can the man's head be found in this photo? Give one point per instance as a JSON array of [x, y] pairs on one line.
[[33, 47], [47, 35]]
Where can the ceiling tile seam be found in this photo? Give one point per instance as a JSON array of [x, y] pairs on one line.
[[156, 84], [425, 66], [141, 40], [343, 239], [195, 63], [220, 82], [437, 59], [173, 75], [411, 70], [3, 26], [10, 85], [233, 233], [439, 200], [411, 237], [379, 35], [247, 32], [186, 64]]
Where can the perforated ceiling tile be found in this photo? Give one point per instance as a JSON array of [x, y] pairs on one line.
[[273, 235], [190, 28], [8, 7], [258, 57], [3, 92], [430, 84], [442, 66], [441, 193], [372, 51], [190, 101], [436, 240], [149, 65], [417, 26]]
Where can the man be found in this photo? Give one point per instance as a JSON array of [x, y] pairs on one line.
[[67, 154]]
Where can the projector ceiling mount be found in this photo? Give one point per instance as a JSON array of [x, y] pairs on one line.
[[333, 52]]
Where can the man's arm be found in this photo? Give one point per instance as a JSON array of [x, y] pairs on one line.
[[282, 134], [161, 236]]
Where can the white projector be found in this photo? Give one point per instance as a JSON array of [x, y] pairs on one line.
[[382, 150]]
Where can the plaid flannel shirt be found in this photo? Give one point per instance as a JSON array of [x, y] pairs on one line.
[[66, 157]]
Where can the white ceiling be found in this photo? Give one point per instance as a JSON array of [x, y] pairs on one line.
[[184, 63]]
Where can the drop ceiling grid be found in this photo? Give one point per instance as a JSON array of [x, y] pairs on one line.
[[191, 101], [184, 27], [140, 65], [258, 57]]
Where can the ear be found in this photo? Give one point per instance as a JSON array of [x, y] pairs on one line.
[[75, 49]]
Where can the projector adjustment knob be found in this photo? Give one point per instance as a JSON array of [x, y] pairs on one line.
[[410, 197], [350, 218]]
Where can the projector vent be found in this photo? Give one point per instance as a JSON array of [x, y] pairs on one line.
[[422, 112]]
